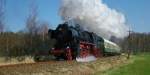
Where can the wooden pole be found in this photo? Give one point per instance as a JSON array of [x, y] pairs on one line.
[[129, 44]]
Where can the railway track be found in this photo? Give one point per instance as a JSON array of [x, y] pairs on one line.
[[33, 63], [60, 67], [37, 63]]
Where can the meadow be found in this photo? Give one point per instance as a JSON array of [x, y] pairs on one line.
[[139, 66]]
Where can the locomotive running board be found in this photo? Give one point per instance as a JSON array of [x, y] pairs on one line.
[[86, 59]]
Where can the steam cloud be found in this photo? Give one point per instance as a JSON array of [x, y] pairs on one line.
[[95, 16]]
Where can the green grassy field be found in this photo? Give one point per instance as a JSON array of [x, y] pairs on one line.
[[140, 66]]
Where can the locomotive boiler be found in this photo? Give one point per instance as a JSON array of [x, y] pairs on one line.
[[72, 42]]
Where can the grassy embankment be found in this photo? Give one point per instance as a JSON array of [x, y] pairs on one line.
[[139, 66]]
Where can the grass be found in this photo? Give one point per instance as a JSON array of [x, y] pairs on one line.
[[140, 66], [13, 60]]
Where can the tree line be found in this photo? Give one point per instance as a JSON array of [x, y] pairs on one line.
[[22, 44], [136, 42]]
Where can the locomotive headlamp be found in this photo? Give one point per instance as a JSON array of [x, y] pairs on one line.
[[53, 48], [68, 47]]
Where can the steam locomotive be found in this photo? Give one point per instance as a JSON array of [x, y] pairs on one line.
[[73, 42]]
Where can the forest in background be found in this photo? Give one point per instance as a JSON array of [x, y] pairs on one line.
[[34, 37], [23, 43]]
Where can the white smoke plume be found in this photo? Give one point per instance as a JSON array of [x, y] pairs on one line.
[[95, 16]]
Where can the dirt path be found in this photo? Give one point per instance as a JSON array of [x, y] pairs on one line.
[[63, 67]]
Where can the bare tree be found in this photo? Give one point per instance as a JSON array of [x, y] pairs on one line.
[[31, 23], [43, 30], [2, 3]]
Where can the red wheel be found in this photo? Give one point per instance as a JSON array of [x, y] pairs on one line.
[[68, 54], [96, 52]]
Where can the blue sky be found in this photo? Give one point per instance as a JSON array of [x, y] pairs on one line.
[[137, 13]]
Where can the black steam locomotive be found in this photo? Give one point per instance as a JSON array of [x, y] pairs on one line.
[[72, 42]]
